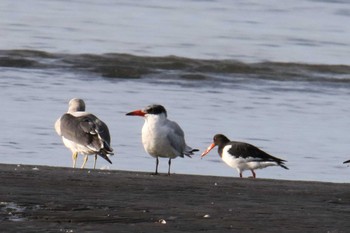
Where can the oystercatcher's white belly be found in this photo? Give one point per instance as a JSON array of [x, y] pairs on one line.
[[242, 164]]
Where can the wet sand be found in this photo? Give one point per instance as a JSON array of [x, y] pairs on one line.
[[54, 199]]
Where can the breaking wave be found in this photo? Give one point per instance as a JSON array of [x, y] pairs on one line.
[[127, 66]]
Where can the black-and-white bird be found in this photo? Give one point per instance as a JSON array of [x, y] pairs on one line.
[[243, 156], [162, 137], [83, 133]]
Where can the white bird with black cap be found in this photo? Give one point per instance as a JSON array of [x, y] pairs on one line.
[[162, 137]]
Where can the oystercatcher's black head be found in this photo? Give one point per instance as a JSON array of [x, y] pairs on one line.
[[220, 139]]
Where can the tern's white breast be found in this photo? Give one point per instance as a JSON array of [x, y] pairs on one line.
[[154, 138]]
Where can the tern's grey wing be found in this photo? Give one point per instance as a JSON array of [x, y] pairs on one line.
[[176, 138]]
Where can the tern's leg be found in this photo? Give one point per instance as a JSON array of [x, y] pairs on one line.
[[85, 160], [95, 161], [169, 167], [240, 175], [74, 157], [157, 162]]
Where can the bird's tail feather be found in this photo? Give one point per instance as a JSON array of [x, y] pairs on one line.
[[105, 157], [107, 148], [284, 166], [190, 152]]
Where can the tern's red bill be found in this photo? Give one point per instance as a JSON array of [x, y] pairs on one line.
[[136, 113]]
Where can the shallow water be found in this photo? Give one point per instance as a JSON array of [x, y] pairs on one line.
[[304, 123], [265, 93]]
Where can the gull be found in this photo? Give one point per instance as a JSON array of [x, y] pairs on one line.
[[83, 133]]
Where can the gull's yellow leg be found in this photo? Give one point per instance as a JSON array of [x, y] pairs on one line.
[[85, 160], [74, 157], [95, 161]]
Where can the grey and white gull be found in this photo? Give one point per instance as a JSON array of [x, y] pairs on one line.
[[84, 133]]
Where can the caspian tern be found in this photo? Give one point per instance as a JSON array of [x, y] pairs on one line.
[[162, 137]]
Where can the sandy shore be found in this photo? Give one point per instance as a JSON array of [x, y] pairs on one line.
[[52, 199]]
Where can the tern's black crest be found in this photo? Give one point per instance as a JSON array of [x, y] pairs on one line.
[[155, 109]]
